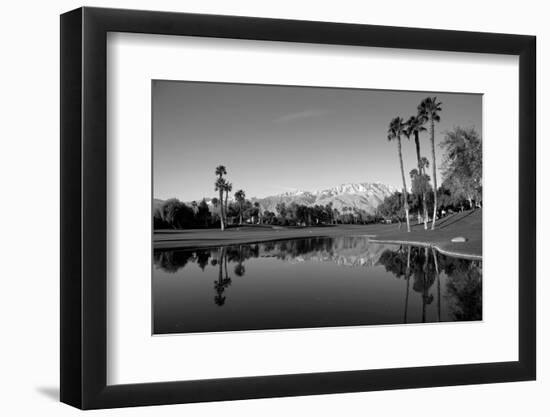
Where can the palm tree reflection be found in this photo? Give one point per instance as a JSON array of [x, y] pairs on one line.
[[424, 279], [222, 282], [463, 281], [408, 279], [434, 254]]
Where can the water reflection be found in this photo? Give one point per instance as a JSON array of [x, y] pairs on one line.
[[223, 281], [311, 282], [348, 251], [464, 285]]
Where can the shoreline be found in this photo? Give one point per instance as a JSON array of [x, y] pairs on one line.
[[168, 244], [439, 239], [453, 254]]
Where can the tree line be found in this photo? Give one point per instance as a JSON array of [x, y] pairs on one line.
[[173, 214]]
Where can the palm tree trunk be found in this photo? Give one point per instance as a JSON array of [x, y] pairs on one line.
[[225, 211], [425, 210], [222, 225], [417, 143], [421, 172], [434, 170], [240, 213], [405, 197]]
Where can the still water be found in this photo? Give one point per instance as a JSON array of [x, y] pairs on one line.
[[314, 282]]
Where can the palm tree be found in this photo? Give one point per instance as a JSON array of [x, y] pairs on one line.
[[239, 197], [429, 109], [396, 129], [227, 188], [220, 187], [424, 163], [415, 125]]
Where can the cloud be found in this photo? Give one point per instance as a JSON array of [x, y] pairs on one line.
[[305, 114]]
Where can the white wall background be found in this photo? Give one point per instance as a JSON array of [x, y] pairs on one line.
[[29, 175]]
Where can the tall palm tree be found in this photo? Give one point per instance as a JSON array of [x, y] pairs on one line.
[[239, 197], [428, 110], [396, 129], [415, 125], [220, 187], [227, 188], [220, 184]]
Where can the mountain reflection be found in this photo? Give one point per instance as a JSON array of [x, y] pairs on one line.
[[346, 251]]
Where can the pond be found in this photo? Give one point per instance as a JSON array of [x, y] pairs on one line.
[[308, 283]]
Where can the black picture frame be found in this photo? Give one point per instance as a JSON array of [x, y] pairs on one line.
[[84, 207]]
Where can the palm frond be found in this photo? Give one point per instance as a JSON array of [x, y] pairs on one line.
[[221, 170], [220, 184]]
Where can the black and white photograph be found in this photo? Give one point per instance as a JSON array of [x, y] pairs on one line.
[[292, 207]]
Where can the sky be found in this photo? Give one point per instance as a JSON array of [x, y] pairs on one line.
[[275, 139]]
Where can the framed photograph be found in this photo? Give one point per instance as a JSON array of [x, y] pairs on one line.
[[257, 208]]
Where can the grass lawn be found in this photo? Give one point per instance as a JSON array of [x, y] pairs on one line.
[[164, 239], [466, 224]]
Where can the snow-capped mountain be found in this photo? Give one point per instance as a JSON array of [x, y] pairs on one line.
[[363, 196]]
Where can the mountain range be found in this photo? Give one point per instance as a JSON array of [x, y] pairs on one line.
[[363, 196]]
